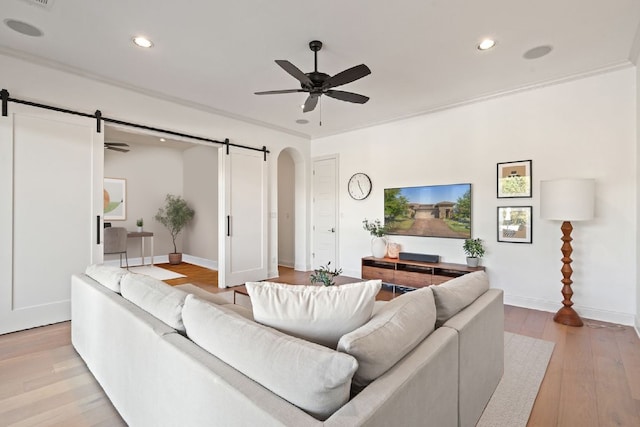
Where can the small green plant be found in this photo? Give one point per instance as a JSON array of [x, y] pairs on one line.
[[473, 248], [324, 275], [139, 222], [374, 227], [174, 215]]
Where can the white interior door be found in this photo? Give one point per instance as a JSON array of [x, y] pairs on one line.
[[325, 241], [50, 215], [243, 213]]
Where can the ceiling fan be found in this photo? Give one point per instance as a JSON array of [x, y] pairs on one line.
[[317, 83], [116, 146]]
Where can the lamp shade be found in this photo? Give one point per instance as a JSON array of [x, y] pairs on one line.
[[567, 199]]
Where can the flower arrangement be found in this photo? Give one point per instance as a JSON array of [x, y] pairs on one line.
[[324, 275], [375, 227]]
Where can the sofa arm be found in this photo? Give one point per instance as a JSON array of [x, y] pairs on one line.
[[480, 328]]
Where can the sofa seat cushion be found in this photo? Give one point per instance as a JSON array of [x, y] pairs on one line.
[[155, 297], [107, 275], [310, 376], [394, 330], [452, 296], [321, 314]]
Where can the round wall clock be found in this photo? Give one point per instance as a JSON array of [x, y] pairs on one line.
[[359, 186]]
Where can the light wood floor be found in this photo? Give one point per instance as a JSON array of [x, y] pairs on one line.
[[593, 378]]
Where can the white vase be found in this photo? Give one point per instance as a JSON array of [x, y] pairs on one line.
[[473, 261], [379, 247], [140, 229]]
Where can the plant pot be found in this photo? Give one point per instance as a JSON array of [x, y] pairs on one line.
[[175, 258], [140, 229], [379, 247], [473, 261]]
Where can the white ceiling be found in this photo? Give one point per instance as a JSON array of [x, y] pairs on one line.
[[422, 53]]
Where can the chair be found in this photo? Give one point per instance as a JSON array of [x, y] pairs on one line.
[[115, 242]]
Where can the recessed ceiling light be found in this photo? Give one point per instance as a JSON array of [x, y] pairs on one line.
[[162, 140], [142, 42], [23, 28], [302, 121], [537, 52], [486, 44]]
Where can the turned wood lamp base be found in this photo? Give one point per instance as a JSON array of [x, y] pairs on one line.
[[567, 315]]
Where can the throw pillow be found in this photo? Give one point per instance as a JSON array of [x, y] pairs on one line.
[[393, 331], [452, 296], [312, 377], [321, 314], [155, 297], [107, 275]]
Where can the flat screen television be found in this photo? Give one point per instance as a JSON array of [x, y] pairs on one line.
[[429, 211]]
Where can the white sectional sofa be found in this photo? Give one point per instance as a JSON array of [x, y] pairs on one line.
[[138, 337]]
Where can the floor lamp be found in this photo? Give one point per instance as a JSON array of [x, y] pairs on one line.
[[567, 200]]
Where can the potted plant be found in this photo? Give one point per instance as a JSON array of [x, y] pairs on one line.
[[139, 224], [175, 215], [324, 275], [474, 250], [378, 241]]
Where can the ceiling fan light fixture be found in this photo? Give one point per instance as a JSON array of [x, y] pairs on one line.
[[486, 44], [142, 42]]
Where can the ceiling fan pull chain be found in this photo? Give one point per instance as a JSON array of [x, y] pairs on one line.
[[320, 111]]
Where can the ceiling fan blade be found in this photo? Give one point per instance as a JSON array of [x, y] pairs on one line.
[[273, 92], [122, 150], [295, 72], [310, 103], [347, 76], [119, 144], [347, 96]]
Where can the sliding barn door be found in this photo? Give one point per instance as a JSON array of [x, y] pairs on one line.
[[51, 192], [242, 254]]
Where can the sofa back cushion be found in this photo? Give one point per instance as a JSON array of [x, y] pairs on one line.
[[155, 297], [321, 314], [310, 376], [107, 275], [452, 296], [393, 331]]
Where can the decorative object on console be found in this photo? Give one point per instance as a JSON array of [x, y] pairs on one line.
[[175, 215], [359, 186], [567, 200], [429, 211], [324, 275], [378, 241], [514, 179], [515, 224], [139, 224], [409, 256], [474, 250], [393, 249]]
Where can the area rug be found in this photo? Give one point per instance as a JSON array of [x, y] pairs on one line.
[[525, 363], [155, 272]]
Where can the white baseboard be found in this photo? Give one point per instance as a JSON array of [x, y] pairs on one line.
[[273, 274], [202, 262], [352, 273], [585, 312], [286, 263], [637, 326], [302, 267]]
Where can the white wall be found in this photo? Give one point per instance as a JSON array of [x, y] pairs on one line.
[[581, 128], [286, 210], [40, 83], [637, 83], [151, 173], [201, 192]]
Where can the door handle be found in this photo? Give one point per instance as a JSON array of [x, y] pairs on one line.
[[332, 229]]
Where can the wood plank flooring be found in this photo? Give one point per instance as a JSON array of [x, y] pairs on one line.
[[593, 377]]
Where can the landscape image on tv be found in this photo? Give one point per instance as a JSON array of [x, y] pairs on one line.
[[430, 211]]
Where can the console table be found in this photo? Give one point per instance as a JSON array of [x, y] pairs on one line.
[[142, 235], [412, 274]]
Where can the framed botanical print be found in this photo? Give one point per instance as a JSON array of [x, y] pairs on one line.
[[514, 179], [115, 199], [515, 224]]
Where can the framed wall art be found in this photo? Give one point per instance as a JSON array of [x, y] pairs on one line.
[[514, 179], [515, 224], [115, 199]]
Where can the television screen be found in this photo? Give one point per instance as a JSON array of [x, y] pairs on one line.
[[430, 211]]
